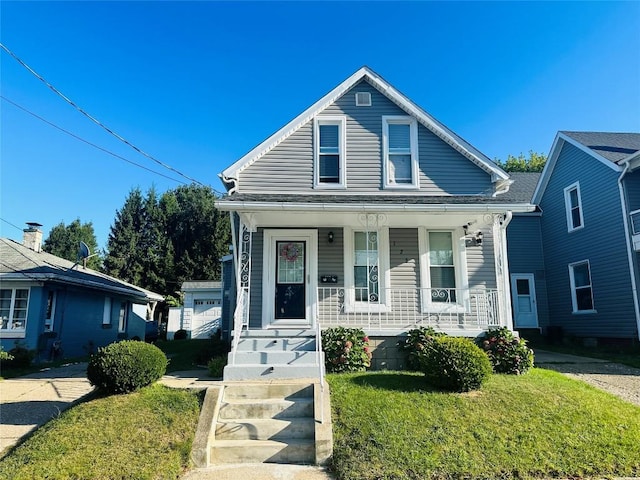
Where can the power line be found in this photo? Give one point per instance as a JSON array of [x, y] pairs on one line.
[[94, 120], [13, 225], [86, 141]]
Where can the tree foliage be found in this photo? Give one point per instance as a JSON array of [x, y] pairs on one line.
[[534, 163], [157, 242], [64, 241]]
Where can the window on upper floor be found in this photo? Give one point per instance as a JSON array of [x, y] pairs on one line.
[[443, 268], [366, 264], [581, 287], [14, 303], [573, 206], [400, 151], [329, 152]]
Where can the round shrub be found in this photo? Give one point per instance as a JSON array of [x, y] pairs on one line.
[[20, 357], [216, 366], [454, 364], [180, 334], [126, 366], [345, 350], [417, 340], [507, 353]]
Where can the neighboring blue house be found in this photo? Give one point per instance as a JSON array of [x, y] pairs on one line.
[[47, 302], [363, 211], [589, 196]]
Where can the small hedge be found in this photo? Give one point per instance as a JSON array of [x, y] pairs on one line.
[[345, 350], [417, 340], [126, 366], [216, 366], [180, 334], [454, 364], [507, 353]]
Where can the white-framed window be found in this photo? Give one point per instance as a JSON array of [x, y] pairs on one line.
[[330, 151], [363, 99], [400, 151], [123, 317], [443, 270], [106, 311], [201, 305], [581, 287], [14, 305], [573, 207], [366, 269], [50, 312]]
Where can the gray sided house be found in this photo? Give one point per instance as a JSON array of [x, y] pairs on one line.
[[363, 211], [589, 195], [59, 308]]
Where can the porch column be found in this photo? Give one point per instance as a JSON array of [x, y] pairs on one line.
[[499, 231], [242, 242]]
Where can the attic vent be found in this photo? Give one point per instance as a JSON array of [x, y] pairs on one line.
[[363, 99]]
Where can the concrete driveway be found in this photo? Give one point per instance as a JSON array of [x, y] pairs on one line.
[[30, 401]]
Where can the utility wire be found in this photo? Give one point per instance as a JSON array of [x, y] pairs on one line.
[[86, 141], [94, 120], [8, 222]]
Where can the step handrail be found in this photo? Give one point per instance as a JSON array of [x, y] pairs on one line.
[[320, 367]]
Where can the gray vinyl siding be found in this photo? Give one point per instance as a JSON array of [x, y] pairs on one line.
[[601, 241], [632, 189], [289, 166], [331, 256], [404, 258], [525, 254], [481, 266]]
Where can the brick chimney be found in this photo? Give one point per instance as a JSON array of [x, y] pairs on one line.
[[32, 237]]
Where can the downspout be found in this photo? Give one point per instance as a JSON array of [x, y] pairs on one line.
[[625, 220]]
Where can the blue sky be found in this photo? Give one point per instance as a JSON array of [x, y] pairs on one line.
[[198, 84]]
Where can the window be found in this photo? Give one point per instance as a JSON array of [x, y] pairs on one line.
[[51, 311], [366, 264], [14, 303], [106, 312], [581, 288], [400, 147], [202, 305], [123, 317], [443, 267], [573, 205], [329, 150], [363, 99]]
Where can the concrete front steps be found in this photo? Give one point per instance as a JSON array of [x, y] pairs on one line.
[[264, 422], [274, 354]]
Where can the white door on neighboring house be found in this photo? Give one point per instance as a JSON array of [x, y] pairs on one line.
[[523, 297], [289, 278]]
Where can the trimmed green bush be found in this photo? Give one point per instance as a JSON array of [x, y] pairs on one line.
[[417, 340], [345, 350], [126, 366], [180, 334], [216, 366], [454, 364], [507, 353]]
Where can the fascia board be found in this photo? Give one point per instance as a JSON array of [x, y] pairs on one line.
[[394, 95], [588, 151], [370, 207]]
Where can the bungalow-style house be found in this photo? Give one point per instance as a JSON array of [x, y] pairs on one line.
[[363, 211], [589, 196], [59, 308]]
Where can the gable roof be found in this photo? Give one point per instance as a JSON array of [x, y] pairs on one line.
[[18, 262], [522, 188], [612, 149], [231, 173], [201, 285]]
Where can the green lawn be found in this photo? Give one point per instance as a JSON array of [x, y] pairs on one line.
[[388, 425], [142, 435]]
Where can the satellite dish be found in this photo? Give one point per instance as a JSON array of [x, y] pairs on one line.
[[83, 251]]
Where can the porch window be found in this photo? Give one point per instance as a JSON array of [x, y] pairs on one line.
[[14, 303], [573, 206], [400, 147], [366, 263], [443, 265], [581, 288], [329, 148]]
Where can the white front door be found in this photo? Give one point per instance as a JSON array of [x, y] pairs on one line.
[[523, 295], [289, 280]]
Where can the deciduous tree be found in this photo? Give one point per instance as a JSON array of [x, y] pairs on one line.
[[64, 241]]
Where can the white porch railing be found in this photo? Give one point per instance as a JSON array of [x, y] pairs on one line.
[[394, 309]]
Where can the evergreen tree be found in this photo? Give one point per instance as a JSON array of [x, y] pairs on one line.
[[64, 241], [535, 162]]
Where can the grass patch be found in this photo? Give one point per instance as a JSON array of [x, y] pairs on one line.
[[391, 426], [142, 435], [182, 353]]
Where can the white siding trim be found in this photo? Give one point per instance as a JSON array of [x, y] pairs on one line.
[[572, 284]]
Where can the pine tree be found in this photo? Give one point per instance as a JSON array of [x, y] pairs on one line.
[[64, 241]]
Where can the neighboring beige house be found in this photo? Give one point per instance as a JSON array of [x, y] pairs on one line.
[[202, 311]]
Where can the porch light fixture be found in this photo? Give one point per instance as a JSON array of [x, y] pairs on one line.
[[478, 238], [330, 237]]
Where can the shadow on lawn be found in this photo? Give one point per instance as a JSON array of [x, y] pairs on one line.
[[401, 382]]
